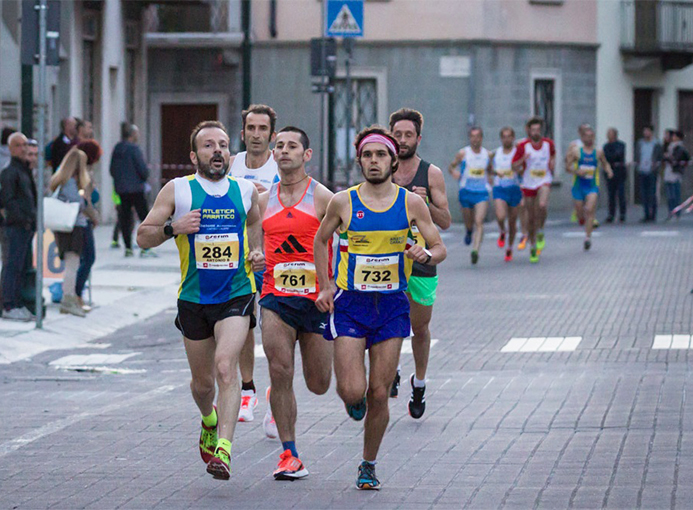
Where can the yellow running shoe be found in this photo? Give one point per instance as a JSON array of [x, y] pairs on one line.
[[523, 243], [541, 242]]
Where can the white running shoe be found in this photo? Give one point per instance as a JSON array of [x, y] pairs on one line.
[[268, 422], [248, 405]]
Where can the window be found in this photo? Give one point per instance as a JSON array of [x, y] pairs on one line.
[[544, 104]]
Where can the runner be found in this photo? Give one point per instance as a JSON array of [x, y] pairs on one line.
[[258, 166], [506, 190], [370, 311], [470, 168], [292, 211], [216, 223], [579, 143], [584, 162], [535, 160], [427, 181]]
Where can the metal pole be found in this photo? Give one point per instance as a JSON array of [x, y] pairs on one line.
[[42, 8], [349, 108], [246, 53], [323, 91]]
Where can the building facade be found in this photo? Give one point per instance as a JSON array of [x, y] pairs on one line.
[[490, 63]]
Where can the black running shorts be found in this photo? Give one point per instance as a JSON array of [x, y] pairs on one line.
[[197, 321]]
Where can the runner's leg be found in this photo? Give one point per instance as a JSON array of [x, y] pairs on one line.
[[512, 225], [480, 210], [420, 316], [543, 205], [316, 355], [350, 368], [200, 355], [590, 208], [501, 209], [383, 358]]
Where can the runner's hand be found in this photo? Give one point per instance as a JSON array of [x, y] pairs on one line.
[[187, 224], [417, 253], [257, 260], [325, 301], [421, 191], [260, 187]]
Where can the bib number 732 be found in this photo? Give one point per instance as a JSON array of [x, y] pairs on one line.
[[376, 273]]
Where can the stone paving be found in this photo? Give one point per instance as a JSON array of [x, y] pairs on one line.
[[605, 425]]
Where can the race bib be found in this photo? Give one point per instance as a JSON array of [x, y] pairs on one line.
[[476, 172], [588, 172], [295, 278], [418, 238], [506, 174], [216, 251], [376, 273], [537, 174]]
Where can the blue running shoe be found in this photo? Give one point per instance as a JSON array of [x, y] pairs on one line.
[[366, 479], [468, 238], [357, 411]]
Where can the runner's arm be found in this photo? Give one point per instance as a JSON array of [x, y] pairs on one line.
[[605, 164], [254, 225], [454, 167], [519, 159], [419, 213], [570, 160], [438, 205], [151, 231], [330, 223], [322, 199]]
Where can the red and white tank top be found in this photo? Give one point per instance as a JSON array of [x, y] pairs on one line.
[[537, 172], [289, 235]]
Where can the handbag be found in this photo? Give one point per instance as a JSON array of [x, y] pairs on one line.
[[59, 216]]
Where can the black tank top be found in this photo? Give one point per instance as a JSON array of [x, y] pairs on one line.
[[420, 180]]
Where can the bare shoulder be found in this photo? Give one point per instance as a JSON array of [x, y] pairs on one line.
[[322, 193], [436, 176], [415, 202]]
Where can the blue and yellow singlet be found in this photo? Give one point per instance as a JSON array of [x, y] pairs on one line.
[[371, 247]]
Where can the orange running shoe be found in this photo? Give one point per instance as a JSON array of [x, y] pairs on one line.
[[523, 243], [289, 467]]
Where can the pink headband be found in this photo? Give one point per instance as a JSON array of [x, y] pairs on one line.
[[376, 138]]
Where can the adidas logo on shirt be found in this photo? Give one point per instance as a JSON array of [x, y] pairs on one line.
[[291, 245]]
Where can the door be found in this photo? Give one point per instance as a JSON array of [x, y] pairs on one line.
[[686, 125], [177, 122], [643, 115]]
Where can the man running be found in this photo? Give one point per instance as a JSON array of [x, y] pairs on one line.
[[370, 311], [470, 168], [506, 190], [291, 212], [216, 223], [584, 162], [258, 166], [427, 181], [535, 160]]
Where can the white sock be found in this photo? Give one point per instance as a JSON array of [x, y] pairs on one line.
[[399, 368], [418, 383]]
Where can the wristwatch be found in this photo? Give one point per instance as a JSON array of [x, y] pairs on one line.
[[168, 229], [430, 255]]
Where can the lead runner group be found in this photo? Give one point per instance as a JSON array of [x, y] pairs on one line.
[[344, 274]]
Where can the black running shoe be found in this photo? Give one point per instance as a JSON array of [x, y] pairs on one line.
[[587, 245], [417, 401], [357, 411], [394, 391]]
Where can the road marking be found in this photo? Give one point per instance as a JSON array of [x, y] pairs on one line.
[[56, 426], [92, 359], [672, 342], [580, 234], [542, 344], [659, 233]]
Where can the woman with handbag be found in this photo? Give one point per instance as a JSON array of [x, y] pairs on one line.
[[74, 184]]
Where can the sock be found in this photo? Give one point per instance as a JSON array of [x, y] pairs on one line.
[[225, 444], [371, 462], [248, 386], [399, 368], [211, 420], [418, 383], [290, 445]]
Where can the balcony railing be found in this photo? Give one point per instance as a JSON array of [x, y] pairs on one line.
[[657, 26]]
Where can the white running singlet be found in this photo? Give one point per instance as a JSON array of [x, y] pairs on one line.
[[266, 175], [473, 169]]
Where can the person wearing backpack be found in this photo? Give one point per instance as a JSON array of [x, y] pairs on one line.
[[676, 159]]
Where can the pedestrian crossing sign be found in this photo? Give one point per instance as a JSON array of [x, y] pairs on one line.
[[344, 18]]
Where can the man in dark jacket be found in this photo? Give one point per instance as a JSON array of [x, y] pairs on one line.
[[615, 154], [18, 201], [63, 142], [130, 173]]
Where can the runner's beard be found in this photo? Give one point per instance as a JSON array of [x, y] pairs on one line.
[[212, 173], [410, 153], [378, 180]]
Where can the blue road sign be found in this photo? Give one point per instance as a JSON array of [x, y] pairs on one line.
[[344, 18]]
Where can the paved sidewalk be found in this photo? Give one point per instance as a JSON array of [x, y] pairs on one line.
[[519, 413]]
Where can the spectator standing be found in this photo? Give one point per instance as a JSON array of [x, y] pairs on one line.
[[63, 142], [648, 160], [676, 160], [18, 199], [72, 180], [4, 148], [130, 174], [615, 153], [84, 129]]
